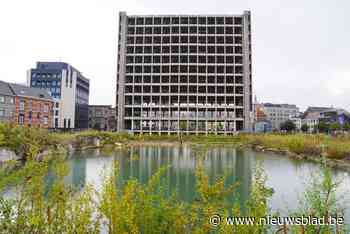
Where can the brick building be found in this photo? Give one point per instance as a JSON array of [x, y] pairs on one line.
[[33, 107]]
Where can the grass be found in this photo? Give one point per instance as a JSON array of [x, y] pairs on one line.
[[145, 208], [30, 141], [138, 208]]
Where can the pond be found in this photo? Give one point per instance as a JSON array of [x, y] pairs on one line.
[[286, 176]]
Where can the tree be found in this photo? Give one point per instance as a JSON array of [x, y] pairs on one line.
[[323, 127], [346, 126], [304, 128], [335, 126], [288, 126], [97, 126]]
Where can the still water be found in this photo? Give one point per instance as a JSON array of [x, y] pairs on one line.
[[287, 177]]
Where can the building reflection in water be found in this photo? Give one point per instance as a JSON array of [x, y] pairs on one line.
[[142, 162]]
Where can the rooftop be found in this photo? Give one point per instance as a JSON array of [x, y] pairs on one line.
[[279, 105], [21, 90], [5, 89]]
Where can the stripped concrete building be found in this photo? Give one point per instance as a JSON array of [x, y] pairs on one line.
[[184, 73]]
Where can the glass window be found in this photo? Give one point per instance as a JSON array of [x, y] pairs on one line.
[[2, 112], [2, 99], [21, 105], [21, 119], [45, 120], [46, 108]]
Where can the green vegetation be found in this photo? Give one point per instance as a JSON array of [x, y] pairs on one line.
[[138, 208], [29, 142], [311, 145], [319, 200], [323, 127], [304, 128], [346, 127], [288, 126]]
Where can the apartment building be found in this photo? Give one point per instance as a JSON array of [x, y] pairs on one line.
[[184, 73], [68, 87], [279, 113], [312, 116]]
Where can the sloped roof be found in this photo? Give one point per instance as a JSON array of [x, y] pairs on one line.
[[317, 109], [279, 105], [21, 90], [5, 89]]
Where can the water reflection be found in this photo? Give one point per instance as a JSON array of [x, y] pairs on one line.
[[287, 177], [142, 162]]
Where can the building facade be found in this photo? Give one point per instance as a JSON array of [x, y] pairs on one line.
[[7, 103], [297, 120], [68, 87], [262, 126], [312, 116], [279, 113], [34, 107], [188, 73], [335, 115], [102, 117]]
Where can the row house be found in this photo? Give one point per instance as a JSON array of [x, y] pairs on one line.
[[7, 103], [25, 106]]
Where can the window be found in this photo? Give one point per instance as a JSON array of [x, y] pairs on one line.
[[2, 112], [148, 30], [46, 108], [21, 119], [30, 105], [2, 99], [46, 120], [21, 105]]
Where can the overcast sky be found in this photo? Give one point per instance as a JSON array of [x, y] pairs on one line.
[[300, 48]]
